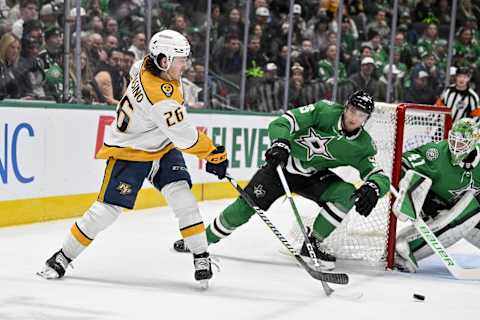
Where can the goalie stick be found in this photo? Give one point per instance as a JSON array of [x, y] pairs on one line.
[[431, 239], [337, 278]]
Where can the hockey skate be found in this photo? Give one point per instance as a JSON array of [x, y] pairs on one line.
[[180, 246], [203, 268], [55, 266], [325, 259]]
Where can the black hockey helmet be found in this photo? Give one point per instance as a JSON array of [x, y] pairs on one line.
[[360, 99]]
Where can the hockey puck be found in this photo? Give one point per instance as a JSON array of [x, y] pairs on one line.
[[418, 297]]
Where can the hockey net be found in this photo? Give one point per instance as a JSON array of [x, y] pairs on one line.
[[394, 128]]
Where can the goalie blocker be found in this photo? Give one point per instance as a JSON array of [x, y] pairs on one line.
[[422, 239]]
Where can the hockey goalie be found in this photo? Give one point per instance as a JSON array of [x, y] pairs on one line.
[[440, 185]]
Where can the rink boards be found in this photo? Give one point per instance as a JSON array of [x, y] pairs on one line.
[[48, 168]]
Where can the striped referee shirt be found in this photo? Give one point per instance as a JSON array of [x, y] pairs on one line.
[[461, 102]]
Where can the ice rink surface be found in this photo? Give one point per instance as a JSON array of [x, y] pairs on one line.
[[131, 272]]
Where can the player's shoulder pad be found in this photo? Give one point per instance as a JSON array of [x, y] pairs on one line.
[[328, 103], [135, 68], [366, 142], [157, 89]]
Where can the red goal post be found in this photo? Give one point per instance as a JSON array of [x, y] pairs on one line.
[[397, 163]]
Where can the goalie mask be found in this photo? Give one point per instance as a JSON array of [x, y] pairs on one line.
[[170, 44], [462, 139]]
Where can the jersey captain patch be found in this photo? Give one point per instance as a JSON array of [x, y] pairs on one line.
[[167, 89], [316, 145]]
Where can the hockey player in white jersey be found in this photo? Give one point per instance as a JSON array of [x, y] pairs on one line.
[[150, 128]]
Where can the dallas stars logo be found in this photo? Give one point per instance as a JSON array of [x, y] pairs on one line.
[[259, 191], [458, 193], [316, 145]]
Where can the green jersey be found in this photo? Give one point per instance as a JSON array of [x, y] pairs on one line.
[[326, 70], [449, 182], [318, 143]]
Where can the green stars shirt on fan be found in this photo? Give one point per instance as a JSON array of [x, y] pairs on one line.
[[318, 143], [449, 182]]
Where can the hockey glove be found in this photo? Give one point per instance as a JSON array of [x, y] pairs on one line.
[[278, 153], [366, 198], [217, 162]]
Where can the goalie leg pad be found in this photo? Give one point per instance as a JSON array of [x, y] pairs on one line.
[[404, 259], [97, 218], [474, 236], [414, 188], [180, 198], [449, 226]]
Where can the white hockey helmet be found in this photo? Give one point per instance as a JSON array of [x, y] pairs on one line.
[[462, 139], [169, 43]]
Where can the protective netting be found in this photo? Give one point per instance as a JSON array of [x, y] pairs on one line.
[[363, 238]]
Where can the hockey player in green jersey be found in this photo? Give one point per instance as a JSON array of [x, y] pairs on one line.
[[307, 142], [452, 205]]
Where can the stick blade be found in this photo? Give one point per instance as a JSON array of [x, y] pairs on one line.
[[465, 274], [331, 277]]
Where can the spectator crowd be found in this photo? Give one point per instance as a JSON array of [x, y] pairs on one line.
[[113, 38]]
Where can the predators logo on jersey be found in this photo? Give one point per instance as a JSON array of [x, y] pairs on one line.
[[124, 188], [167, 89]]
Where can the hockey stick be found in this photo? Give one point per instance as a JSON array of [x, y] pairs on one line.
[[431, 239], [311, 253], [338, 278]]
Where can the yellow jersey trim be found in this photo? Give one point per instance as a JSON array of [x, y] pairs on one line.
[[106, 179], [156, 89], [202, 147], [130, 154]]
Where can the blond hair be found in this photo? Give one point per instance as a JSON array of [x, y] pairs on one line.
[[5, 42]]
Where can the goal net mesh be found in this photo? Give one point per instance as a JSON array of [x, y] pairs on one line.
[[361, 238]]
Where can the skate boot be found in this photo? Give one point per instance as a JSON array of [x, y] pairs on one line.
[[203, 268], [325, 259], [55, 266], [180, 246]]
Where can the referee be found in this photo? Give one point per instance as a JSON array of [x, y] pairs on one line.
[[460, 98]]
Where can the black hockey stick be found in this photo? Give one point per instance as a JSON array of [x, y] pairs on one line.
[[338, 278], [311, 253]]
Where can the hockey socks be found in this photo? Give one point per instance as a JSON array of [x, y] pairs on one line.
[[236, 214], [328, 219]]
